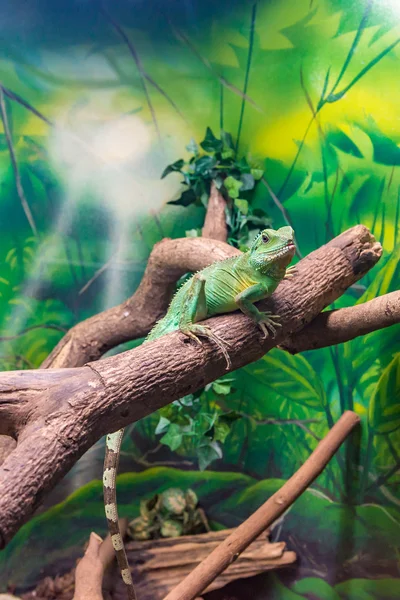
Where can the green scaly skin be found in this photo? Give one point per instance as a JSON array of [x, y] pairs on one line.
[[223, 287]]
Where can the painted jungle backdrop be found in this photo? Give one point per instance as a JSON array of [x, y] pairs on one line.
[[303, 97]]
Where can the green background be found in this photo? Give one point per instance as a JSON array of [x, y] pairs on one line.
[[94, 105]]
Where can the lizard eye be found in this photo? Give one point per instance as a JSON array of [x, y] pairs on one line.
[[265, 238]]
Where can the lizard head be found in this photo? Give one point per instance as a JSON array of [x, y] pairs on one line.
[[273, 248]]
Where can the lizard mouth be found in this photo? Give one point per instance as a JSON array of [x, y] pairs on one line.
[[285, 250]]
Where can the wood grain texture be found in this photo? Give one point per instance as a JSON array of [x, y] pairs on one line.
[[158, 566]]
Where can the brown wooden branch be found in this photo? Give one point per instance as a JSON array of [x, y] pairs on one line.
[[274, 507], [215, 226], [90, 569], [168, 261], [337, 326], [58, 414]]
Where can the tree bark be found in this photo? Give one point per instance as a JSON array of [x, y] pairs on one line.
[[160, 565], [133, 319], [57, 414], [338, 326], [215, 226]]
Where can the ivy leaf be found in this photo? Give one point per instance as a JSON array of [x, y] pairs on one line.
[[232, 186], [222, 388], [207, 453], [257, 173], [204, 164], [173, 437], [192, 147], [242, 205], [248, 182], [227, 140], [211, 143], [162, 425], [243, 165], [187, 197], [174, 167], [221, 431], [204, 423], [225, 154]]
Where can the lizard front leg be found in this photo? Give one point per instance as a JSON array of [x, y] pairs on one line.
[[195, 309], [245, 301]]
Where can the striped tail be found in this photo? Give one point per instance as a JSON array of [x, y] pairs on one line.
[[113, 446]]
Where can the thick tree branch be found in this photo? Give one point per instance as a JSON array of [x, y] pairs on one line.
[[215, 226], [338, 326], [168, 261], [59, 413]]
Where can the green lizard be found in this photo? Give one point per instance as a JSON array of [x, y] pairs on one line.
[[222, 287]]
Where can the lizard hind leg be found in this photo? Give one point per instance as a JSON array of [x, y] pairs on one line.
[[195, 309], [194, 330]]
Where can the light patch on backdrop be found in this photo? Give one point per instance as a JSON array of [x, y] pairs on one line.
[[116, 158], [117, 161]]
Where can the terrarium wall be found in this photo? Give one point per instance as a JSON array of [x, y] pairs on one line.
[[95, 100]]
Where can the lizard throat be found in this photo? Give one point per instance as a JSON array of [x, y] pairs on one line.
[[274, 263]]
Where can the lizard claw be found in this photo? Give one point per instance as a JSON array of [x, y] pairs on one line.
[[269, 321], [290, 272]]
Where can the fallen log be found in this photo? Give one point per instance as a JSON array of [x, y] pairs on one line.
[[159, 565]]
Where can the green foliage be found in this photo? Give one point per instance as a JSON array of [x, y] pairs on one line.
[[227, 498], [384, 407], [196, 425], [314, 588], [170, 514], [235, 178]]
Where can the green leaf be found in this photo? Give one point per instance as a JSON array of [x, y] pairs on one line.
[[207, 453], [191, 499], [242, 205], [162, 426], [174, 167], [204, 164], [384, 408], [248, 182], [227, 140], [192, 147], [187, 197], [292, 377], [243, 165], [173, 501], [225, 154], [171, 528], [221, 431], [211, 143], [257, 173], [220, 387], [173, 437], [232, 186]]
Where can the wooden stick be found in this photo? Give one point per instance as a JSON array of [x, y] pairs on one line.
[[90, 569], [275, 506]]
